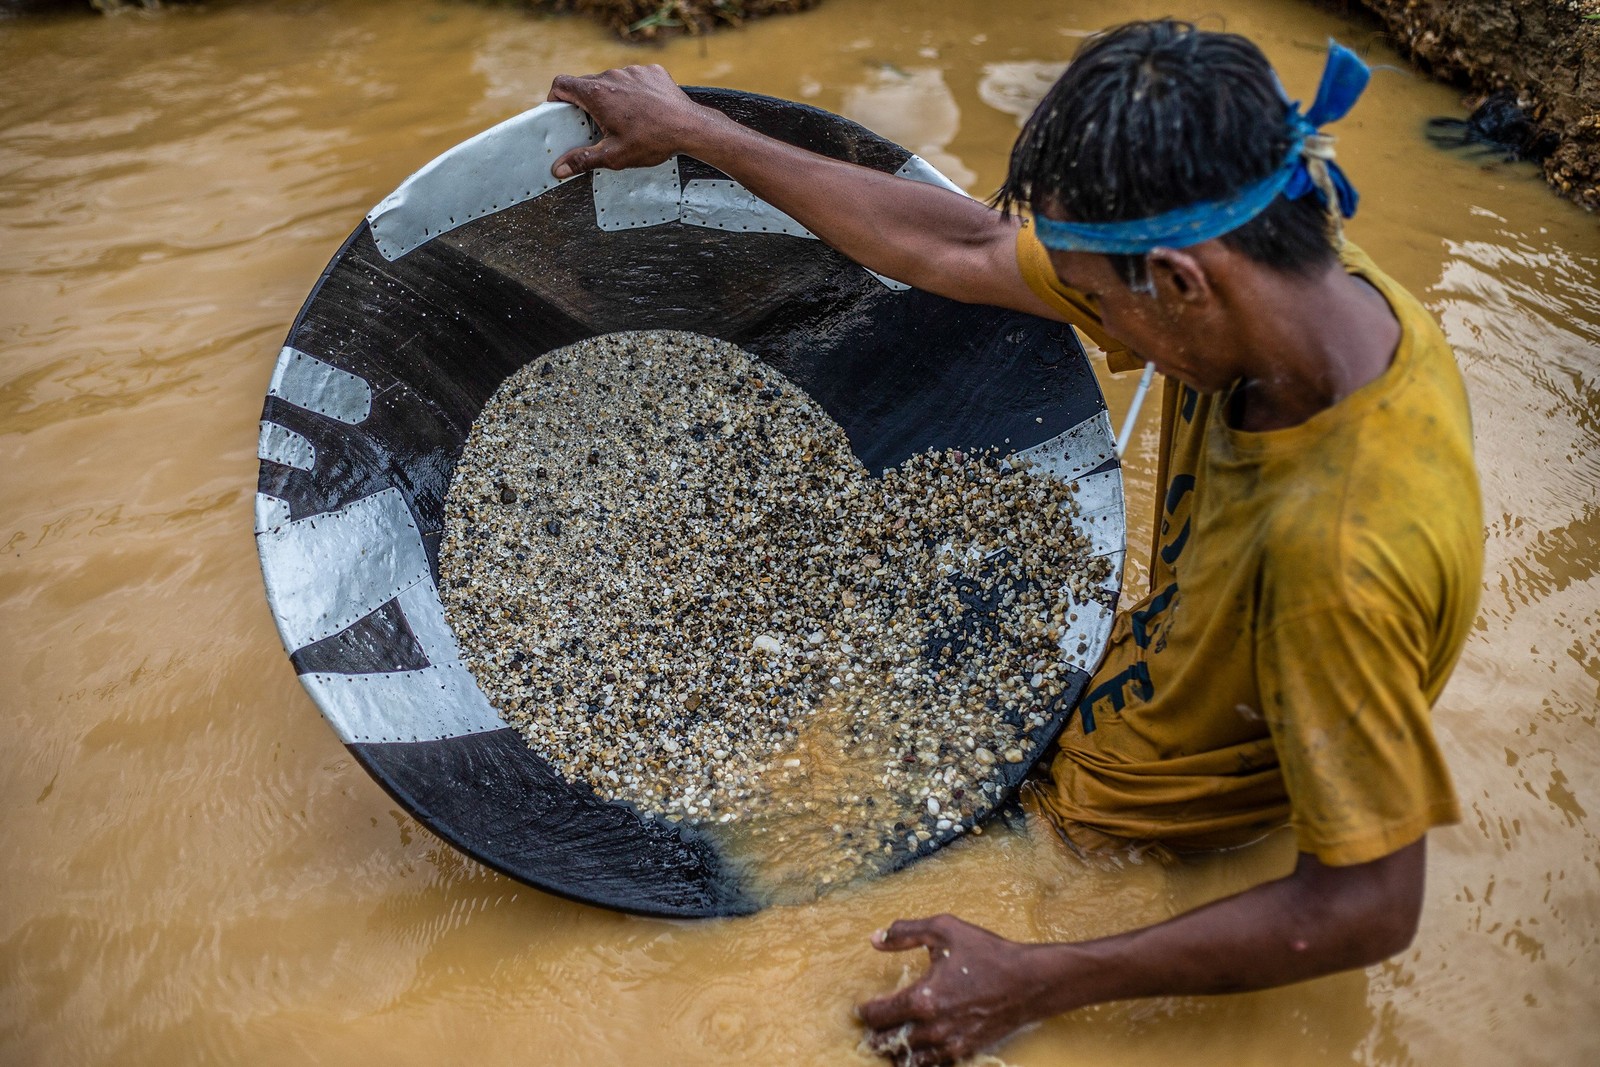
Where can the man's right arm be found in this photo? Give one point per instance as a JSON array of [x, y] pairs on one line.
[[917, 233]]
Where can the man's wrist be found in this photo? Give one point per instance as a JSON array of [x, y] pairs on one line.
[[1071, 975], [708, 132]]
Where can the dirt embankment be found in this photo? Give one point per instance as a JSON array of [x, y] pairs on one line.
[[645, 19], [1547, 51]]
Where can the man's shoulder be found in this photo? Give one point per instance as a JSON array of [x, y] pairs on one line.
[[1385, 517]]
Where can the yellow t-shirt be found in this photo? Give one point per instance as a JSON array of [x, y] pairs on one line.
[[1311, 589]]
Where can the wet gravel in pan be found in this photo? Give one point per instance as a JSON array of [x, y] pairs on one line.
[[669, 572]]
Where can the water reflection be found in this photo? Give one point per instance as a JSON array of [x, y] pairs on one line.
[[915, 108], [1015, 87]]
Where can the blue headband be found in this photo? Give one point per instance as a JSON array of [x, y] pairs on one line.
[[1308, 167]]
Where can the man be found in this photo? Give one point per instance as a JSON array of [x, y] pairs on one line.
[[1320, 545]]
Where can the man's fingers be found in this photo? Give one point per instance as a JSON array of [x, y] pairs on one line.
[[582, 160], [567, 89], [914, 1043], [934, 1056], [910, 933], [639, 110], [569, 164], [924, 1053], [893, 1009]]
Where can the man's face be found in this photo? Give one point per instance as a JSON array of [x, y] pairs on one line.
[[1161, 328]]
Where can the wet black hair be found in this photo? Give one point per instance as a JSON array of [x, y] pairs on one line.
[[1152, 116]]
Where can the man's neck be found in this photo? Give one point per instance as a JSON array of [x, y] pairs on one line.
[[1306, 343]]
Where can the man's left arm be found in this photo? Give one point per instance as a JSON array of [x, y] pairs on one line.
[[979, 987]]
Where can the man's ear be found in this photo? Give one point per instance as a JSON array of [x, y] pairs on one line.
[[1179, 277]]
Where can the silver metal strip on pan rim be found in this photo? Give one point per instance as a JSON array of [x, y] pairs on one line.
[[1075, 451], [639, 196], [653, 196], [1092, 630], [311, 384], [721, 204], [271, 514], [1102, 508], [424, 613], [502, 166], [1102, 511], [431, 704], [279, 444], [325, 572], [920, 170]]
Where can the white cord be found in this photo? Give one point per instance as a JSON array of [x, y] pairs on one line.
[[1133, 408]]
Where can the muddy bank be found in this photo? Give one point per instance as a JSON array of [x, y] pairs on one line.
[[646, 19], [1546, 51]]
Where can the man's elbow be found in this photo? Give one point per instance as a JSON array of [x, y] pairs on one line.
[[1347, 938], [1372, 910], [1391, 933], [1395, 903]]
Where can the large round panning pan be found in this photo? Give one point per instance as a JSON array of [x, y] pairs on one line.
[[476, 265]]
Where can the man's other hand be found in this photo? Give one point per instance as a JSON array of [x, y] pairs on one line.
[[978, 989], [643, 116]]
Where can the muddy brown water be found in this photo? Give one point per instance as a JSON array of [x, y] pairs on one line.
[[197, 872]]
